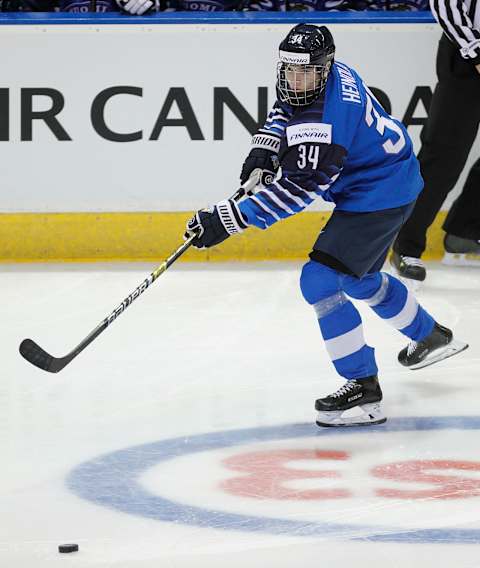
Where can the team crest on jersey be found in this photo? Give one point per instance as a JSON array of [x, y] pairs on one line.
[[309, 132]]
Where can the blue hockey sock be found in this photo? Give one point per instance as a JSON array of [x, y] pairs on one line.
[[393, 302], [342, 331]]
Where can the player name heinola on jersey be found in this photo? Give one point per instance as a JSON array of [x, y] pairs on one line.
[[350, 91]]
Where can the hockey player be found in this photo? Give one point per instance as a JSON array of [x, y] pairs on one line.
[[333, 139]]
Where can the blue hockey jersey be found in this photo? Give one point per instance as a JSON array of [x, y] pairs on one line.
[[344, 148]]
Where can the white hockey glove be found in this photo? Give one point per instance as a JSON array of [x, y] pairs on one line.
[[137, 7]]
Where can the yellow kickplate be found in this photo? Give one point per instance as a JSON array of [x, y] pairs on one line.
[[92, 237]]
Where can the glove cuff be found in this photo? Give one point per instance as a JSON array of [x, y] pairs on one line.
[[471, 52], [266, 142], [230, 217]]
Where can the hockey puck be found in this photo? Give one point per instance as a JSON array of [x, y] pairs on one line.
[[68, 548]]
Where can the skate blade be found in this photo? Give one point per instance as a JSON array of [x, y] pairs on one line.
[[371, 415], [453, 348], [350, 424], [461, 259]]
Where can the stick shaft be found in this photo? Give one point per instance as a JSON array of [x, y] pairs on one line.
[[33, 353], [131, 298], [146, 283], [246, 188]]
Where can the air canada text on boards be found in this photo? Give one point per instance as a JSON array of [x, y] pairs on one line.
[[177, 102]]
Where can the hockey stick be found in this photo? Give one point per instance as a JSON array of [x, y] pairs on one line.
[[37, 356]]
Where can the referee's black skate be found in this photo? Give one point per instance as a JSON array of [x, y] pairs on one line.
[[409, 269], [439, 345], [460, 251], [364, 394]]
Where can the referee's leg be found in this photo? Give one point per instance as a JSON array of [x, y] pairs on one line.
[[446, 142], [463, 219]]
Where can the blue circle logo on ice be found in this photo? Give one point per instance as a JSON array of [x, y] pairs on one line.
[[421, 479]]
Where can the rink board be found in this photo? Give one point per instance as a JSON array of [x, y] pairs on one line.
[[90, 237], [107, 149]]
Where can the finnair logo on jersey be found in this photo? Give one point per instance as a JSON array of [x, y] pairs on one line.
[[309, 132], [295, 58], [349, 88]]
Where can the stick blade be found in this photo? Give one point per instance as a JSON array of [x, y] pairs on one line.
[[35, 355]]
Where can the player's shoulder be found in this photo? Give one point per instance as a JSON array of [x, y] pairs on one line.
[[333, 117], [346, 87]]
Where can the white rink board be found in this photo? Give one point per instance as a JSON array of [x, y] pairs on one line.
[[172, 173]]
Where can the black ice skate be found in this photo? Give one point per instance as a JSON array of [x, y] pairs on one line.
[[365, 394], [439, 345], [460, 251], [409, 269]]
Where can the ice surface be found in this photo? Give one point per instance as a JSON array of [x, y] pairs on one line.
[[135, 450]]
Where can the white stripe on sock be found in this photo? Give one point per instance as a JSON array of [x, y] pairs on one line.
[[345, 344], [406, 315]]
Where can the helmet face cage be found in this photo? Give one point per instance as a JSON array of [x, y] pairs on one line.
[[300, 85]]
